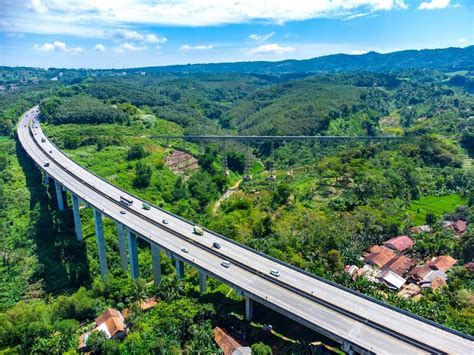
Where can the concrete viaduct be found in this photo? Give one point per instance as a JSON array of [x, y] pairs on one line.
[[361, 324]]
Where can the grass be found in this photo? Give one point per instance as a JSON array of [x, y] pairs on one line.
[[438, 205]]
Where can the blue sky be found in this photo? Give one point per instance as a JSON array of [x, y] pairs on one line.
[[126, 33]]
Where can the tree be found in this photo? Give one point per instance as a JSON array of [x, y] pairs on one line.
[[430, 218], [136, 152], [143, 174], [261, 349], [335, 260], [236, 161], [96, 342]]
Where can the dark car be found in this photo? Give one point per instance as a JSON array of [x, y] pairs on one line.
[[216, 245]]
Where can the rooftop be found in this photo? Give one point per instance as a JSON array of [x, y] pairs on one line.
[[443, 263], [399, 243], [400, 264], [381, 257]]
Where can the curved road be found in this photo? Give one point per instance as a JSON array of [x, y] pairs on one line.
[[366, 325]]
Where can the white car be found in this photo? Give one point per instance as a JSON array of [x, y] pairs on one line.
[[184, 250], [123, 211], [225, 264], [275, 272], [165, 221]]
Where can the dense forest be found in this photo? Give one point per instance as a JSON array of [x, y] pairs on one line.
[[316, 205]]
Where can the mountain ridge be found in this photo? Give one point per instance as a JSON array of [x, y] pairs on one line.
[[445, 59]]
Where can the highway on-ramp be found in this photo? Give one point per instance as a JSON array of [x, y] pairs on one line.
[[367, 325]]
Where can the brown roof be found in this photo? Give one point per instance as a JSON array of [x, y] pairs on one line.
[[400, 264], [418, 273], [400, 243], [225, 341], [375, 249], [113, 321], [148, 304], [437, 282], [470, 266], [109, 312], [380, 258], [443, 263], [115, 325], [459, 226]]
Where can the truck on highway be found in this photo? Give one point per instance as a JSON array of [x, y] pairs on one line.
[[126, 201]]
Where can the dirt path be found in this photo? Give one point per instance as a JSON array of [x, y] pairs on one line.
[[226, 195]]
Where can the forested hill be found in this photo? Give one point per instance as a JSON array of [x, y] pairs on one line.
[[447, 59]]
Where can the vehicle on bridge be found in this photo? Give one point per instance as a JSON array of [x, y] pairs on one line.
[[275, 272], [145, 206], [46, 164], [198, 230], [126, 201]]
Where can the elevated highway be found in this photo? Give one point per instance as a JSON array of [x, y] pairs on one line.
[[357, 322]]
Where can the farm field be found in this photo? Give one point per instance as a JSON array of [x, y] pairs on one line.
[[438, 205]]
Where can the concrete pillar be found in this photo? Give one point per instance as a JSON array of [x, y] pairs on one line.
[[122, 247], [179, 268], [202, 282], [77, 216], [133, 254], [248, 308], [156, 262], [347, 348], [99, 233], [59, 195], [46, 178]]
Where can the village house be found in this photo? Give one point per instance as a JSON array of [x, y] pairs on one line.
[[390, 279], [228, 344], [379, 256], [425, 276], [459, 226], [400, 243], [399, 265], [443, 263], [111, 322], [421, 229]]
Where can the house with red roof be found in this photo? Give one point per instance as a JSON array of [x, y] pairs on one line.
[[443, 263], [399, 265], [380, 256], [400, 243]]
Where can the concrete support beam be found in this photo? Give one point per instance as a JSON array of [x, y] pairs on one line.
[[77, 216], [202, 282], [156, 262], [59, 195], [248, 308], [133, 254], [179, 268], [99, 232], [122, 247]]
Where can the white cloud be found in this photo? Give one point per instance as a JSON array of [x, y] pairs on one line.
[[271, 48], [257, 37], [200, 12], [434, 4], [151, 38], [128, 34], [129, 47], [37, 6], [57, 46], [136, 36], [99, 47], [188, 47], [357, 52]]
